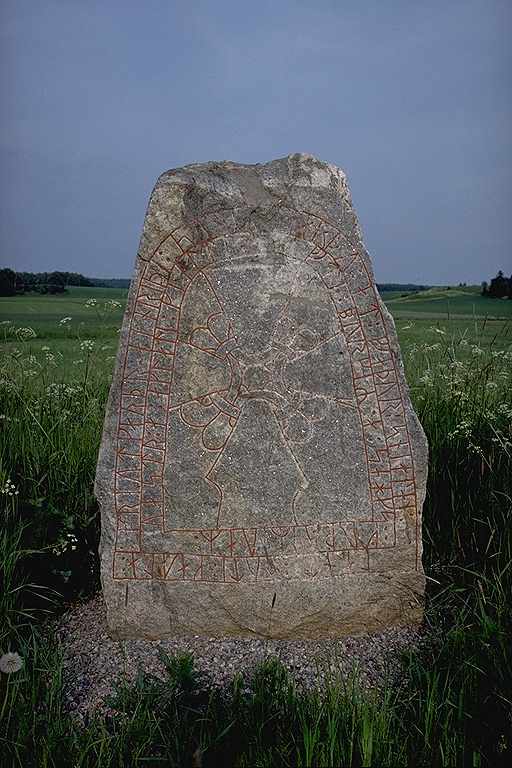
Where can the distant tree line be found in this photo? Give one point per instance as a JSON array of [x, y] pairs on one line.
[[500, 287], [13, 283], [110, 282], [18, 283], [405, 287]]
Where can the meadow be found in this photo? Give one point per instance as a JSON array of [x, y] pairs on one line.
[[454, 707]]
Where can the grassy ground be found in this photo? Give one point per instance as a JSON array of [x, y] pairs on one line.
[[444, 303], [56, 335], [454, 708], [95, 314]]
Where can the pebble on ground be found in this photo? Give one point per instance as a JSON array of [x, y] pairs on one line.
[[94, 663]]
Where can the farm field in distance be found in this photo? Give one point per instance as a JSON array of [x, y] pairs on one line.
[[63, 322]]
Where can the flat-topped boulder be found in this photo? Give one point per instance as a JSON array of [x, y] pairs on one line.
[[262, 470]]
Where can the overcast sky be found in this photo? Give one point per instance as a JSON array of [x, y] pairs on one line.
[[412, 99]]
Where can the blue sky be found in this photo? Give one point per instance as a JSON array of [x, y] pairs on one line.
[[412, 99]]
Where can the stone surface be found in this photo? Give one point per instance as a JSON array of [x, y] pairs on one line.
[[262, 470]]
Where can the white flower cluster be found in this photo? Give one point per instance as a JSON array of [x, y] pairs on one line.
[[428, 378], [70, 541], [7, 385], [65, 320], [87, 345], [58, 390], [505, 410], [463, 429], [91, 303], [112, 305], [9, 489], [26, 333]]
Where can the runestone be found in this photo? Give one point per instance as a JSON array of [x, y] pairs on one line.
[[262, 470]]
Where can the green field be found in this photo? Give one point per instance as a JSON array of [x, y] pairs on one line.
[[45, 313], [63, 333], [425, 317], [460, 302]]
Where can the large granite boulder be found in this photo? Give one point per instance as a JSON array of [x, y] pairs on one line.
[[262, 470]]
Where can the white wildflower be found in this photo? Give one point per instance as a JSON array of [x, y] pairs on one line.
[[10, 662], [65, 320], [91, 303], [87, 345], [26, 333], [504, 409], [9, 489], [427, 378], [70, 541]]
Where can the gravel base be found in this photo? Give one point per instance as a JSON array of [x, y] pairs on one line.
[[93, 662]]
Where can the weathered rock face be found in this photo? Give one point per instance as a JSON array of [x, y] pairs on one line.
[[262, 470]]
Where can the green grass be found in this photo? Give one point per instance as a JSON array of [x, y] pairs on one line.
[[61, 322], [454, 707], [419, 317], [31, 306]]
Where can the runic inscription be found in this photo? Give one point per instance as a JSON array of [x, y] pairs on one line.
[[261, 428]]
